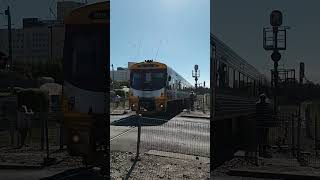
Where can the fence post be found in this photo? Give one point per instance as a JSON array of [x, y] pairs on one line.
[[298, 135], [292, 135], [203, 104], [139, 136], [40, 116], [315, 135]]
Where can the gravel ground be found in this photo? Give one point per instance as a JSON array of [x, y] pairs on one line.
[[34, 156], [156, 167], [120, 163], [233, 163], [221, 171]]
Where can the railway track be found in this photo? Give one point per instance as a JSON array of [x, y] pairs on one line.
[[123, 133]]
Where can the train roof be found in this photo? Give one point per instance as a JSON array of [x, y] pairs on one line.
[[97, 13], [149, 64], [233, 59]]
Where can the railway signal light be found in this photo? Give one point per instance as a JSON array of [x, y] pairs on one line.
[[276, 18], [196, 67], [276, 56]]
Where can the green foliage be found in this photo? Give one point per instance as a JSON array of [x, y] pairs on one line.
[[35, 99], [120, 84], [120, 93]]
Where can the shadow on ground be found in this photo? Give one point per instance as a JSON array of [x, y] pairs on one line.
[[76, 174], [146, 120]]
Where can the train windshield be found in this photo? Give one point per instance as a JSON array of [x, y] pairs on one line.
[[147, 80], [84, 54]]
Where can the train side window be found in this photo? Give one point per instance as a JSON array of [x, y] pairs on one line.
[[240, 80], [231, 77], [245, 81], [236, 79], [223, 75], [217, 72]]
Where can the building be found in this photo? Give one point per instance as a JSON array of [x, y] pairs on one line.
[[121, 74], [32, 43], [64, 7]]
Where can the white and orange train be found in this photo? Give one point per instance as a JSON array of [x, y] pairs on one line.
[[156, 88]]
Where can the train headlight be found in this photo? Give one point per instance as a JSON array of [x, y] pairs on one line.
[[75, 138], [161, 105], [133, 105]]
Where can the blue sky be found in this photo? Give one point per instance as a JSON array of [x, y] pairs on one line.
[[175, 32]]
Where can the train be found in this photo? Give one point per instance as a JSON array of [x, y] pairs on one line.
[[85, 58], [155, 88], [235, 87], [235, 82]]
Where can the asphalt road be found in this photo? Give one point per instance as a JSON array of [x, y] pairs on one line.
[[179, 134]]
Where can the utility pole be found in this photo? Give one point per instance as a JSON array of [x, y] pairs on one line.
[[51, 60], [301, 75], [7, 12], [112, 73]]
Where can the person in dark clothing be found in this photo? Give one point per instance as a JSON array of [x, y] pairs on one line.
[[192, 98], [263, 122]]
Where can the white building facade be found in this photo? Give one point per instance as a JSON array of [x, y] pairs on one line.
[[121, 74]]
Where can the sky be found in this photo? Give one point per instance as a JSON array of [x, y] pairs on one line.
[[175, 32], [240, 25], [29, 8]]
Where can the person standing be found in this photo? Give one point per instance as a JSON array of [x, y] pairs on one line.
[[264, 120], [192, 98]]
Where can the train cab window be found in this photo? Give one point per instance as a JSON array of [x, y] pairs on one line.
[[84, 54], [148, 77], [142, 80]]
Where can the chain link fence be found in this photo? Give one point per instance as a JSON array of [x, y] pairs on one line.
[[202, 103], [119, 104], [288, 141], [23, 133], [160, 147]]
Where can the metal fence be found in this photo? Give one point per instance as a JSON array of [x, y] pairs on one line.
[[202, 103], [289, 141], [121, 104], [23, 137], [162, 146]]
